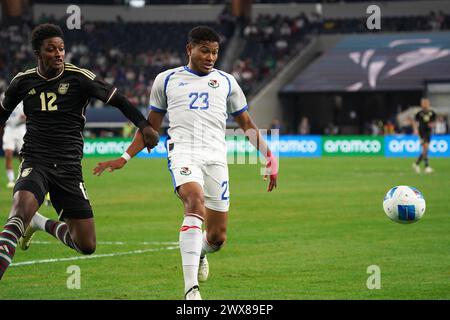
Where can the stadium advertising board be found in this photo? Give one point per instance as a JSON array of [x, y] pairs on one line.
[[94, 147], [296, 146], [238, 146], [241, 151], [352, 146], [409, 146]]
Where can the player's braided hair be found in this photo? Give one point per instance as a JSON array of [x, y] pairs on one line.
[[42, 32], [203, 33]]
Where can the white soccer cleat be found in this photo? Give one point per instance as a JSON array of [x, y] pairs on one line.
[[10, 185], [416, 167], [429, 170], [25, 241], [193, 294], [203, 269]]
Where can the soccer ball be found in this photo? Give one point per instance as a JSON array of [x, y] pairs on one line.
[[404, 204]]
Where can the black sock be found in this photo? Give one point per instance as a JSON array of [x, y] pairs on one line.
[[9, 237], [419, 159]]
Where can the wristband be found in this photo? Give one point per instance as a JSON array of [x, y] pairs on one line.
[[126, 156]]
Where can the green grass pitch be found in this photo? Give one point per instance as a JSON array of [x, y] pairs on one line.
[[313, 238]]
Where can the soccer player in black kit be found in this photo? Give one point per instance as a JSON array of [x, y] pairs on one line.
[[426, 119], [55, 96]]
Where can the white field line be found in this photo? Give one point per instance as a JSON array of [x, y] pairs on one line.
[[118, 243], [94, 256]]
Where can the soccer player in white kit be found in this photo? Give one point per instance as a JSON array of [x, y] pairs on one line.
[[13, 140], [197, 99]]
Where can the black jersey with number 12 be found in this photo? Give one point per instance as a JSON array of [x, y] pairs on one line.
[[55, 110]]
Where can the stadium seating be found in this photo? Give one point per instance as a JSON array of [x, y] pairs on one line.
[[131, 54]]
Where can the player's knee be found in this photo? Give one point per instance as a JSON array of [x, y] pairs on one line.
[[23, 210], [87, 248], [195, 202]]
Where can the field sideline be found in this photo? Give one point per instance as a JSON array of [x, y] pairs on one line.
[[313, 238]]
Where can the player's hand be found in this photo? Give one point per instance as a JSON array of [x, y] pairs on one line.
[[271, 171], [110, 166], [151, 137]]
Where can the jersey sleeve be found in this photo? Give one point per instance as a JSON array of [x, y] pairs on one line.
[[11, 97], [158, 96], [236, 101], [95, 87]]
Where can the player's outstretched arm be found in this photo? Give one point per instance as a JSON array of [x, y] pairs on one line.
[[154, 119], [252, 132], [136, 145]]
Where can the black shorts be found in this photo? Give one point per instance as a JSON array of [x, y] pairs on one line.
[[65, 184], [425, 137]]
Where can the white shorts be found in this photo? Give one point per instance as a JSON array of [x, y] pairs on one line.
[[13, 138], [212, 177]]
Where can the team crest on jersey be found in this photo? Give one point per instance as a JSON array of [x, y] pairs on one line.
[[63, 87], [185, 171], [213, 83], [26, 172]]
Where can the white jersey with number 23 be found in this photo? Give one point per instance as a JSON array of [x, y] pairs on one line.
[[197, 107]]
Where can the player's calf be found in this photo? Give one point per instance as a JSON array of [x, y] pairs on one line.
[[60, 231]]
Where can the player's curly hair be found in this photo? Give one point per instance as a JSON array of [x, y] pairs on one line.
[[203, 33], [42, 32]]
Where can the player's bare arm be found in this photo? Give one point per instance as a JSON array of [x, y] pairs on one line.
[[251, 131], [154, 120]]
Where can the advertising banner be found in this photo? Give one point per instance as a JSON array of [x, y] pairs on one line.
[[352, 146], [94, 147], [297, 146], [238, 146], [240, 150], [409, 146]]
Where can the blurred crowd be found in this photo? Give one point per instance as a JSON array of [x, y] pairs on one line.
[[270, 42], [406, 126], [375, 127], [130, 55]]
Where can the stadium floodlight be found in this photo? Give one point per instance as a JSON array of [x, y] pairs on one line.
[[136, 3]]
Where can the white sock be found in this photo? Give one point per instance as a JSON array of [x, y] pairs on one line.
[[38, 222], [208, 247], [10, 175], [190, 248]]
